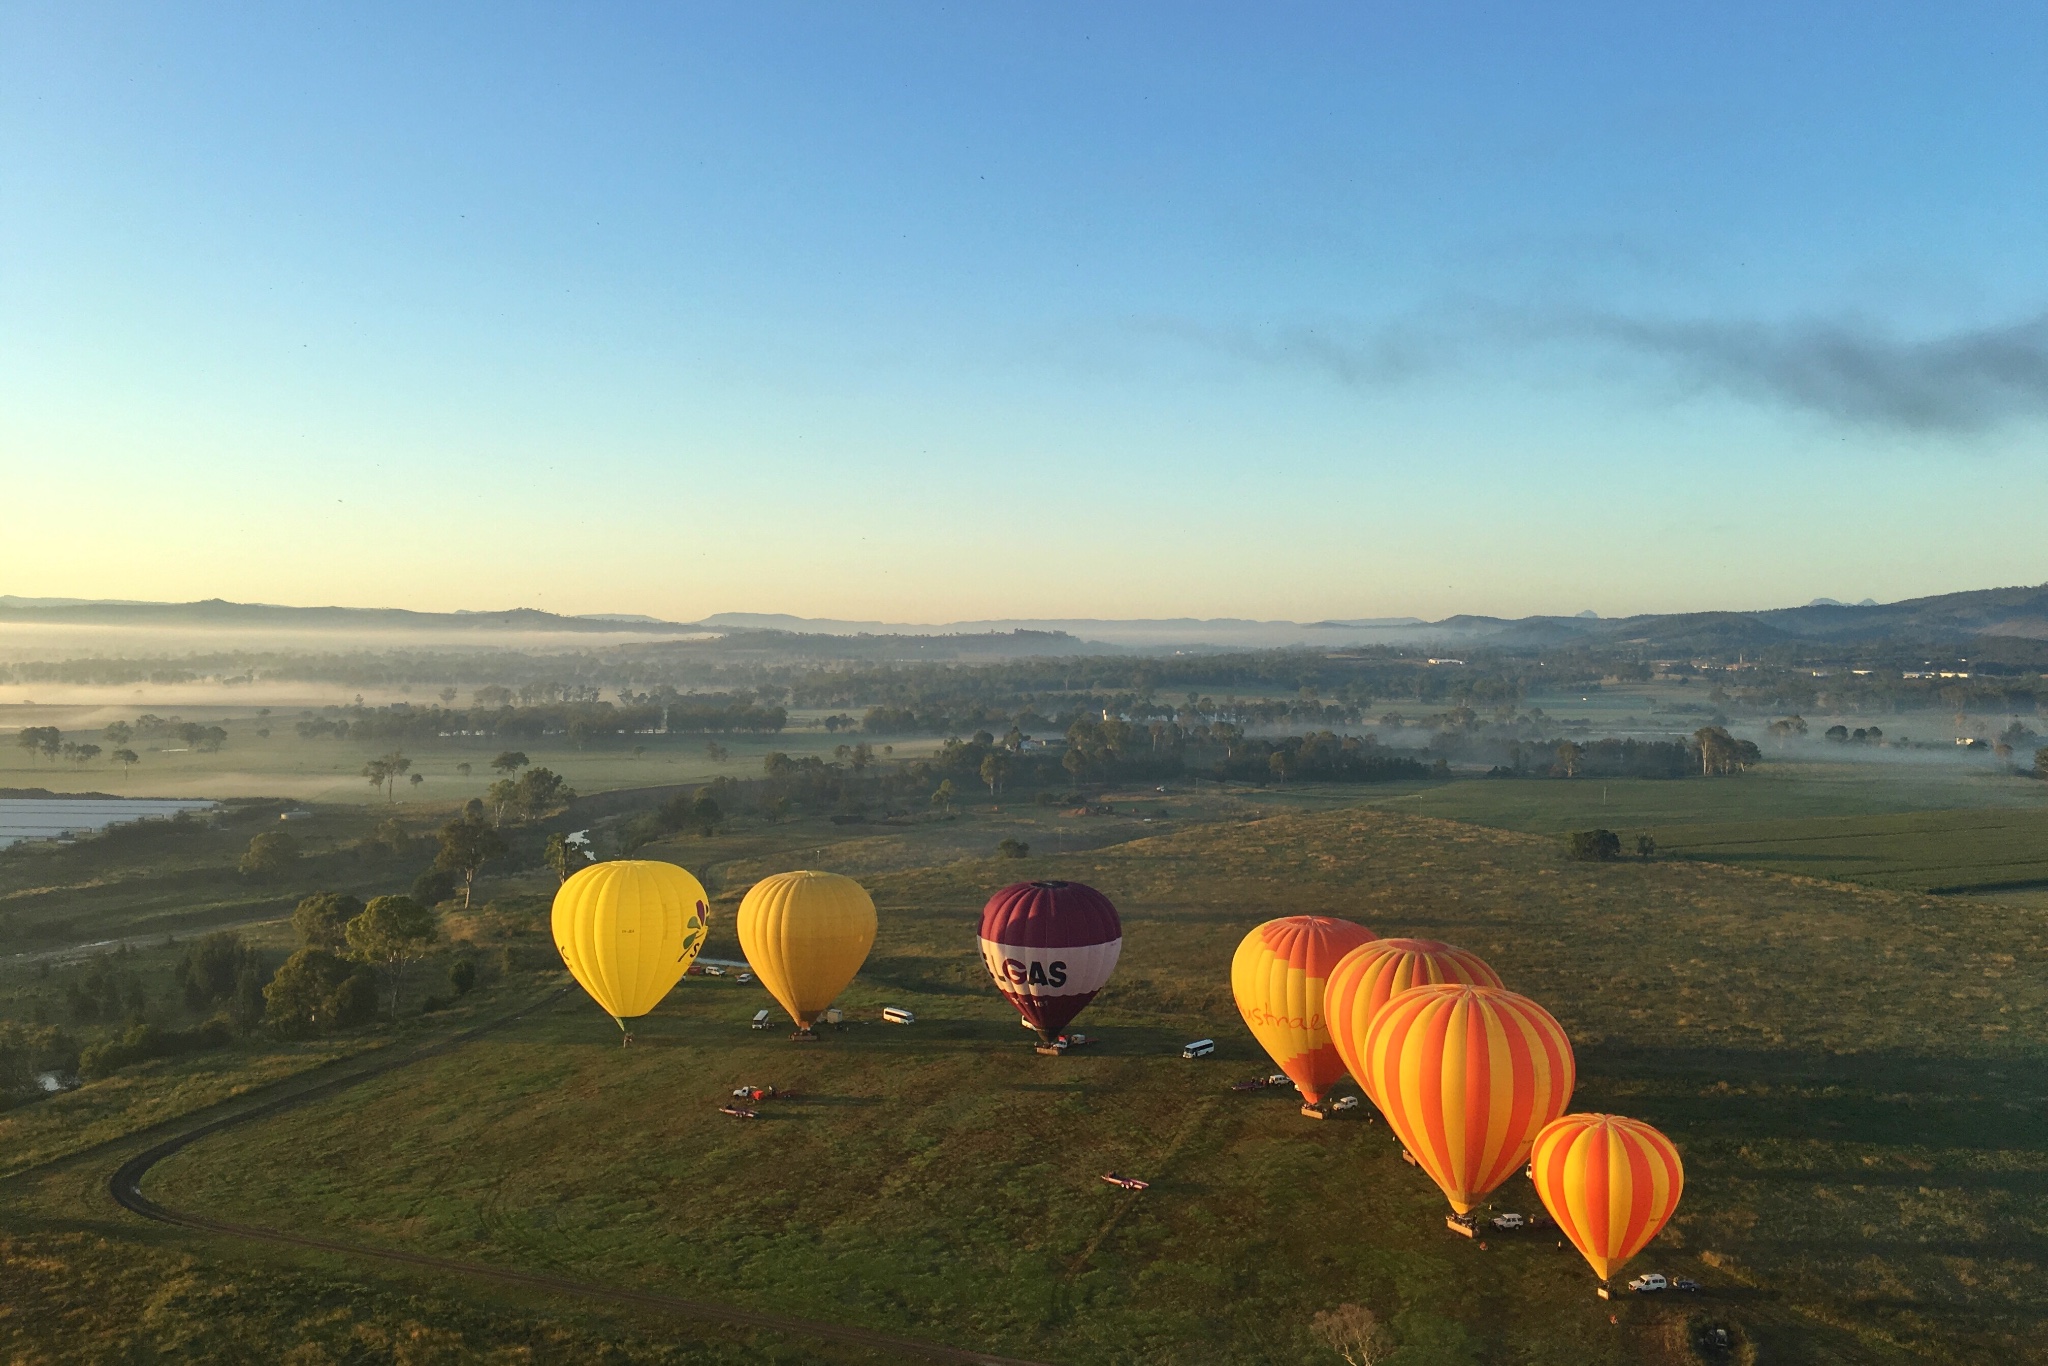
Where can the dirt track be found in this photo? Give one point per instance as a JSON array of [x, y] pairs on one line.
[[126, 1187]]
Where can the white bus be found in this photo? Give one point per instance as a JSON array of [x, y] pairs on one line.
[[1200, 1048], [897, 1015]]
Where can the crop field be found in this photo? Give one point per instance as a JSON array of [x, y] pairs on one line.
[[1849, 1073]]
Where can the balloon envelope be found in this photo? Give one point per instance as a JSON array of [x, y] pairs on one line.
[[805, 935], [1372, 974], [1611, 1183], [1466, 1076], [628, 930], [1277, 976], [1049, 946]]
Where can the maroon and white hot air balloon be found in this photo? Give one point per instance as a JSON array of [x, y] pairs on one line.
[[1050, 946]]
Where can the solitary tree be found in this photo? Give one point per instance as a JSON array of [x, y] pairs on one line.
[[392, 930], [563, 859], [510, 761], [994, 769], [321, 920], [467, 843], [1352, 1332], [1571, 758], [269, 854], [126, 758]]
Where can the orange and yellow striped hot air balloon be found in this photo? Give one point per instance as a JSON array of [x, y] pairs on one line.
[[1277, 977], [1372, 974], [1611, 1183], [1466, 1077]]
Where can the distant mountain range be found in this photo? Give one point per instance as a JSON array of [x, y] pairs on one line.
[[1949, 619]]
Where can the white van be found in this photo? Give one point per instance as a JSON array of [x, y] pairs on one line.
[[897, 1015], [760, 1019], [1200, 1048]]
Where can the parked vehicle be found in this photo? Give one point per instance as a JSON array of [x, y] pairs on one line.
[[1280, 1079], [1648, 1284], [1344, 1103], [1249, 1084], [744, 977], [760, 1019], [1688, 1285], [713, 970], [897, 1015], [1200, 1048], [1508, 1222], [1073, 1041], [833, 1015]]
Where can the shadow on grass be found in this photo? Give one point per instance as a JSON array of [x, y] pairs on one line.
[[1882, 1099]]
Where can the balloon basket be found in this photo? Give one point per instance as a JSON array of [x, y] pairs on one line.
[[1049, 1050], [804, 1036], [1463, 1225], [1602, 1292], [1312, 1112]]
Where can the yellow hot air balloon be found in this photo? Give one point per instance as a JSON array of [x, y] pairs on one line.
[[1372, 974], [1277, 976], [1466, 1076], [806, 935], [1611, 1183], [628, 930]]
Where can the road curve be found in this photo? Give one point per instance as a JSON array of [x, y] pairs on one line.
[[126, 1187]]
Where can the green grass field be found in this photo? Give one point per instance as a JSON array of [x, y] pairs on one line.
[[326, 770], [1849, 1071], [1849, 1074], [1945, 827]]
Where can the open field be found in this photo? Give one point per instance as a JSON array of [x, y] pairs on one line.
[[281, 764], [1890, 826], [1844, 1071]]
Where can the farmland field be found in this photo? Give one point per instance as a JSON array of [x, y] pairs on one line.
[[1846, 1071], [1921, 828]]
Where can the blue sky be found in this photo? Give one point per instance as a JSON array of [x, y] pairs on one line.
[[924, 312]]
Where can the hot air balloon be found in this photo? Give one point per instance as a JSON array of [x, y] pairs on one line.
[[1277, 977], [805, 935], [1371, 974], [1049, 946], [1611, 1183], [1466, 1076], [628, 930]]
